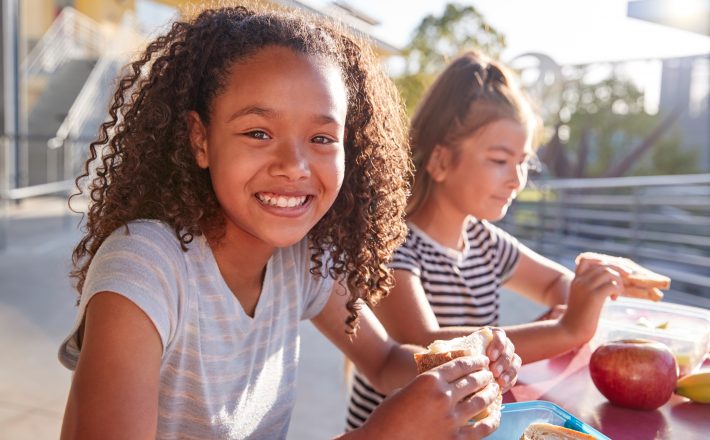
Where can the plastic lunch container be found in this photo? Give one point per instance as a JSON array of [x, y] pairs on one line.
[[685, 330], [515, 417]]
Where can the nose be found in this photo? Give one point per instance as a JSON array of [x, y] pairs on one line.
[[518, 177], [291, 160]]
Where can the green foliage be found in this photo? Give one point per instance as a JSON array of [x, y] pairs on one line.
[[668, 158], [436, 41], [606, 123]]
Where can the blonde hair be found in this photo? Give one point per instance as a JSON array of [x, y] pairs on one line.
[[472, 92]]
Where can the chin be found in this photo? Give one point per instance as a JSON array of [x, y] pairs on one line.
[[493, 216], [286, 240]]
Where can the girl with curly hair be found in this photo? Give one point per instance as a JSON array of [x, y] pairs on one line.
[[472, 140], [252, 174]]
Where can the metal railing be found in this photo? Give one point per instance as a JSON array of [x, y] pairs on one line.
[[81, 122], [70, 35], [662, 222]]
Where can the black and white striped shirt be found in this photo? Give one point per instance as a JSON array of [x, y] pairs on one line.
[[461, 286]]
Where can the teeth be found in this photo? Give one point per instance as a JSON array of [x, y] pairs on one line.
[[281, 201]]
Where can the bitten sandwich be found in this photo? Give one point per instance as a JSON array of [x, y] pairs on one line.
[[548, 431], [639, 282], [439, 352]]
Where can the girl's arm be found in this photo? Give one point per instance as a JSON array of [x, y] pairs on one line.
[[387, 364], [114, 391], [533, 341], [408, 317], [435, 404], [540, 278]]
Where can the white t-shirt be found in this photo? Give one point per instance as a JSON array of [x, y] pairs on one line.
[[224, 374]]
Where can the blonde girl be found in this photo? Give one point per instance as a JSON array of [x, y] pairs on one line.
[[472, 141]]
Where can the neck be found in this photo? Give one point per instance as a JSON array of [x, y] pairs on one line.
[[441, 222], [242, 260]]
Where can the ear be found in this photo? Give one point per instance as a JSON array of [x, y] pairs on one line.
[[439, 163], [198, 139]]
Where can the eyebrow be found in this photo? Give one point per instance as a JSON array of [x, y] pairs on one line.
[[273, 114], [502, 148], [508, 151], [253, 110]]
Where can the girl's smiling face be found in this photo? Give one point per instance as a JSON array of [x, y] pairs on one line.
[[274, 144], [486, 171]]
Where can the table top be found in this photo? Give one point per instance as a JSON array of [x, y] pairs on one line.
[[565, 380]]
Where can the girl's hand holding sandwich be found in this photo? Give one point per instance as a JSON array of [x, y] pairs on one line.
[[440, 403], [504, 362]]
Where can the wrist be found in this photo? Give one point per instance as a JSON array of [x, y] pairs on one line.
[[570, 333]]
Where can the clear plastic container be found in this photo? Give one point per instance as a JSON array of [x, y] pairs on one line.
[[515, 417], [685, 330]]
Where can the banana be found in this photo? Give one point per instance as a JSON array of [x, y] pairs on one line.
[[695, 386]]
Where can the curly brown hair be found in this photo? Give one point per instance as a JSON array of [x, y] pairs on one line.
[[142, 164]]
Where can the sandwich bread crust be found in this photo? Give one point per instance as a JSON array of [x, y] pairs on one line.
[[548, 431]]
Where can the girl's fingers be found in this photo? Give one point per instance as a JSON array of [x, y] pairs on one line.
[[510, 376], [471, 384], [504, 361], [483, 427], [474, 405], [498, 345], [460, 367], [608, 286], [601, 277]]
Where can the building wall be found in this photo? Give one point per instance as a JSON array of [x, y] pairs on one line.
[[37, 16], [680, 79], [105, 10]]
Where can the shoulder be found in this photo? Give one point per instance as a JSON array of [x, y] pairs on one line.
[[142, 247], [480, 230], [144, 236], [415, 241], [150, 230], [409, 256]]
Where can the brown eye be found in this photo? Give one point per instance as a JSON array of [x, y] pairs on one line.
[[322, 140], [258, 134]]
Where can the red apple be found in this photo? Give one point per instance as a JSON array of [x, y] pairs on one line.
[[634, 373]]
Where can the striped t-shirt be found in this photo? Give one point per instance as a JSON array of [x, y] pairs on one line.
[[224, 374], [461, 286]]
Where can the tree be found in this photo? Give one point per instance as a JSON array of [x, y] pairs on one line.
[[436, 41], [603, 130]]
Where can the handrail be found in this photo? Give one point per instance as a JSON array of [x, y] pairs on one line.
[[616, 182], [39, 190], [71, 33], [97, 89]]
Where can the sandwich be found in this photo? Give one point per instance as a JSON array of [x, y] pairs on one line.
[[548, 431], [439, 352], [639, 282]]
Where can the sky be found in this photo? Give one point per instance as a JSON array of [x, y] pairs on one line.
[[570, 31]]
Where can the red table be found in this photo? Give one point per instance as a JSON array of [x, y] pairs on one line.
[[565, 380]]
